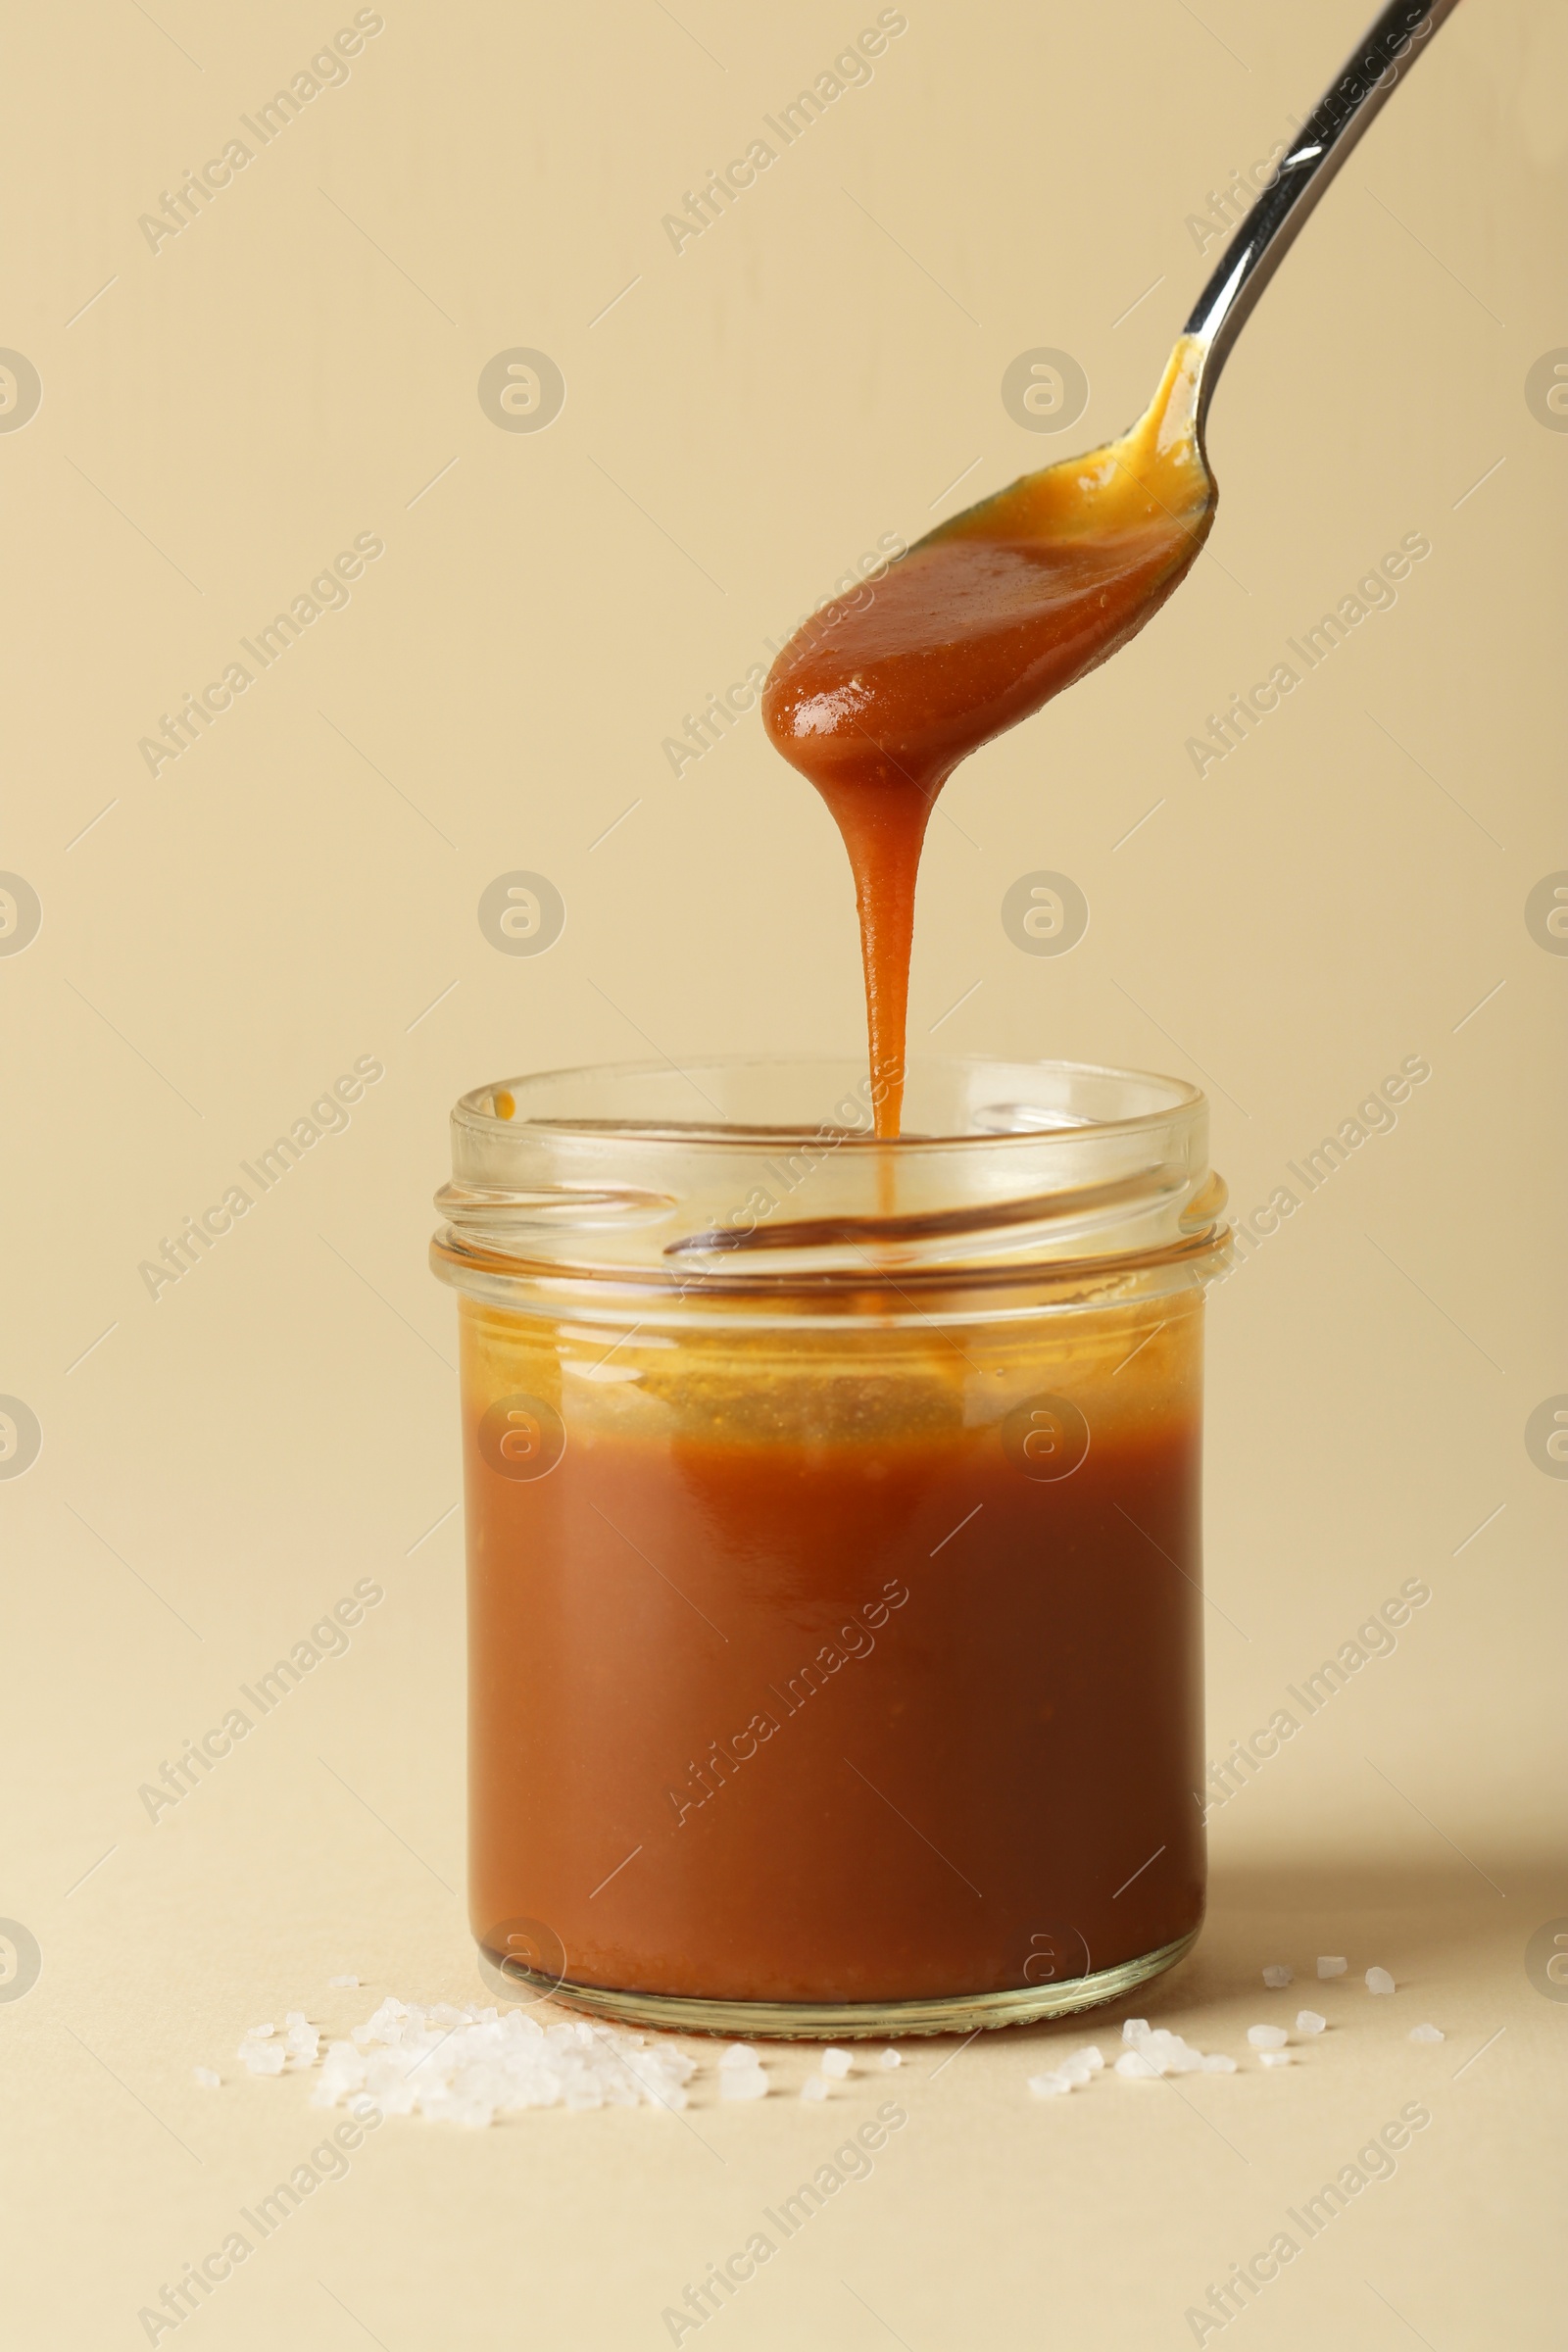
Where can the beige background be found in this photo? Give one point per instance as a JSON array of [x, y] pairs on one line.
[[300, 888]]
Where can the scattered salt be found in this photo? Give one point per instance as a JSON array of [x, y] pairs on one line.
[[302, 2041], [470, 2065], [1274, 2058], [1074, 2073], [890, 2058], [1276, 1979], [741, 2073], [836, 2064], [337, 1983], [258, 2032], [207, 2078], [263, 2057], [1427, 2034], [1179, 2057], [1217, 2063], [742, 2082], [1307, 2021], [1147, 2054], [814, 2088], [1378, 1979], [1156, 2052], [1267, 2038], [1328, 1967], [1137, 2063]]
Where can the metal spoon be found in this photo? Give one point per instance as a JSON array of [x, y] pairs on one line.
[[1363, 86]]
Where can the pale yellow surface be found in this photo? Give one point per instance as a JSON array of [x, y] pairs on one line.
[[299, 889]]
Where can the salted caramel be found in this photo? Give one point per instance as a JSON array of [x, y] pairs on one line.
[[980, 624]]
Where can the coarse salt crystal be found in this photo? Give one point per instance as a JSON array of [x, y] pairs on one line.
[[814, 2088], [1161, 2052], [1267, 2038], [258, 2032], [1378, 1979], [891, 2058], [740, 2053], [1049, 2085], [1169, 2053], [1138, 2064], [349, 1983], [1427, 2034], [1274, 2058], [1276, 1979], [1307, 2021], [836, 2064], [1091, 2058], [742, 2082], [263, 2057], [1328, 1966], [1135, 2029], [207, 2078]]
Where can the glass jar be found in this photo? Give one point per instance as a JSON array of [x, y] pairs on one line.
[[835, 1624]]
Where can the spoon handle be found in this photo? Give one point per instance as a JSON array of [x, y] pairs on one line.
[[1381, 58]]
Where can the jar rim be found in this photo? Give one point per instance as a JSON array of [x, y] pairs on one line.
[[1010, 1166], [477, 1111]]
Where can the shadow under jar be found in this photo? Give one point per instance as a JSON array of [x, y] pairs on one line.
[[833, 1528]]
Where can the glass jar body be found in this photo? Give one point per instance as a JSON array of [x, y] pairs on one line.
[[836, 1659]]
